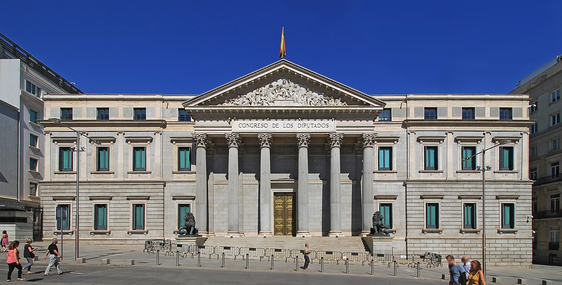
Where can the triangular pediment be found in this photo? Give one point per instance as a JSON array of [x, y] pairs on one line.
[[283, 84]]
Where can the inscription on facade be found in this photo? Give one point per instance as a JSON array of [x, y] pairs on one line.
[[284, 126]]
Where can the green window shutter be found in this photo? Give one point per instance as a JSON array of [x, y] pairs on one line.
[[469, 216], [182, 210], [138, 217], [432, 219], [431, 158], [385, 158], [139, 159], [508, 216], [386, 211], [100, 218], [103, 159], [184, 162]]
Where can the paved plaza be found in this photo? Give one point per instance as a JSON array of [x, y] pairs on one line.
[[146, 271]]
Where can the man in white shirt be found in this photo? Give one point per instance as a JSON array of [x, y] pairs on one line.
[[306, 251], [466, 264]]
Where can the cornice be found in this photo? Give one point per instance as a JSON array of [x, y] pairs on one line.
[[105, 124], [474, 123], [283, 109]]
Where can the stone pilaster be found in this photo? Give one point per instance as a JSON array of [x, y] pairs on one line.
[[303, 140], [335, 185], [266, 208], [367, 195], [201, 198], [233, 140]]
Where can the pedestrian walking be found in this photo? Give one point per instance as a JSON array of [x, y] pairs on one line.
[[476, 276], [306, 251], [4, 241], [28, 254], [456, 272], [465, 260], [54, 255], [13, 260]]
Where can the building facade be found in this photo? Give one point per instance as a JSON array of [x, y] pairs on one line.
[[543, 87], [285, 151], [24, 80]]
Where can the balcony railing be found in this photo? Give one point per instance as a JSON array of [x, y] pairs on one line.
[[548, 179], [548, 214], [553, 245], [40, 67]]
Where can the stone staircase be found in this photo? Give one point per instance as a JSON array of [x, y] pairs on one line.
[[342, 244]]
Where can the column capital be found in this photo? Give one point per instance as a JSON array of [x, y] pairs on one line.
[[335, 140], [233, 139], [201, 140], [368, 139], [265, 139], [303, 139]]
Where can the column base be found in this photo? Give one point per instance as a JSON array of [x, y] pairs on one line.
[[365, 233], [335, 234], [265, 234], [303, 234], [234, 234]]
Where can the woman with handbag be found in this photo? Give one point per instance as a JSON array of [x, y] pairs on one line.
[[476, 276], [29, 255]]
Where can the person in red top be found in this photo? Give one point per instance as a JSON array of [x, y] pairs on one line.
[[13, 260]]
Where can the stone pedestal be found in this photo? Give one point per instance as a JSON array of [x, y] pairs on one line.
[[190, 240], [379, 243]]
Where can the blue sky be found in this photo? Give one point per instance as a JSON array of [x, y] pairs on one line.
[[378, 47]]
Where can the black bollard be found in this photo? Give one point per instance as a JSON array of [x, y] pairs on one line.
[[272, 262], [322, 264], [297, 263], [223, 262], [418, 270], [198, 259], [347, 266], [372, 267], [247, 261], [394, 268], [177, 258], [158, 257]]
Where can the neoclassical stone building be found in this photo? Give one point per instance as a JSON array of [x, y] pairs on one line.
[[285, 151]]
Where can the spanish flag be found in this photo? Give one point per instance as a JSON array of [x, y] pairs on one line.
[[282, 51]]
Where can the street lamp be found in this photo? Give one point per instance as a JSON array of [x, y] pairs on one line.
[[78, 149], [483, 169]]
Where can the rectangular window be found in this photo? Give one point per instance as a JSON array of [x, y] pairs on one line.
[[533, 107], [103, 159], [65, 159], [533, 174], [468, 113], [103, 114], [506, 158], [100, 217], [469, 216], [385, 158], [468, 160], [33, 140], [432, 216], [555, 202], [33, 164], [183, 115], [182, 210], [138, 216], [533, 151], [139, 159], [554, 169], [430, 113], [508, 216], [385, 115], [555, 119], [386, 211], [66, 114], [554, 144], [63, 217], [554, 96], [535, 206], [33, 189], [506, 114], [430, 158], [184, 161], [33, 116], [139, 114], [534, 128], [554, 239], [32, 88]]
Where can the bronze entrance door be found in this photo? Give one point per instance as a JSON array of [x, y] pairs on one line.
[[284, 214]]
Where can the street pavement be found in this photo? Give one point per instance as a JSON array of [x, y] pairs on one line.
[[146, 270]]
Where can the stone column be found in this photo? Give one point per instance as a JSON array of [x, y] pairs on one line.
[[302, 191], [233, 184], [367, 195], [335, 185], [201, 198], [265, 185]]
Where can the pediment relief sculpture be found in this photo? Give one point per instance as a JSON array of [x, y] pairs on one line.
[[284, 92]]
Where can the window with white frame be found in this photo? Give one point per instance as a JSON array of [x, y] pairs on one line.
[[554, 169], [533, 173], [554, 119], [554, 96], [534, 128], [32, 88], [33, 163], [554, 144], [555, 202], [554, 235], [533, 151], [33, 140]]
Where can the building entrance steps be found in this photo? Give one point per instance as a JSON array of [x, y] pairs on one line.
[[345, 244]]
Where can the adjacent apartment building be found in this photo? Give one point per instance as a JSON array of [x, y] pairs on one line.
[[543, 87], [286, 152], [24, 80]]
